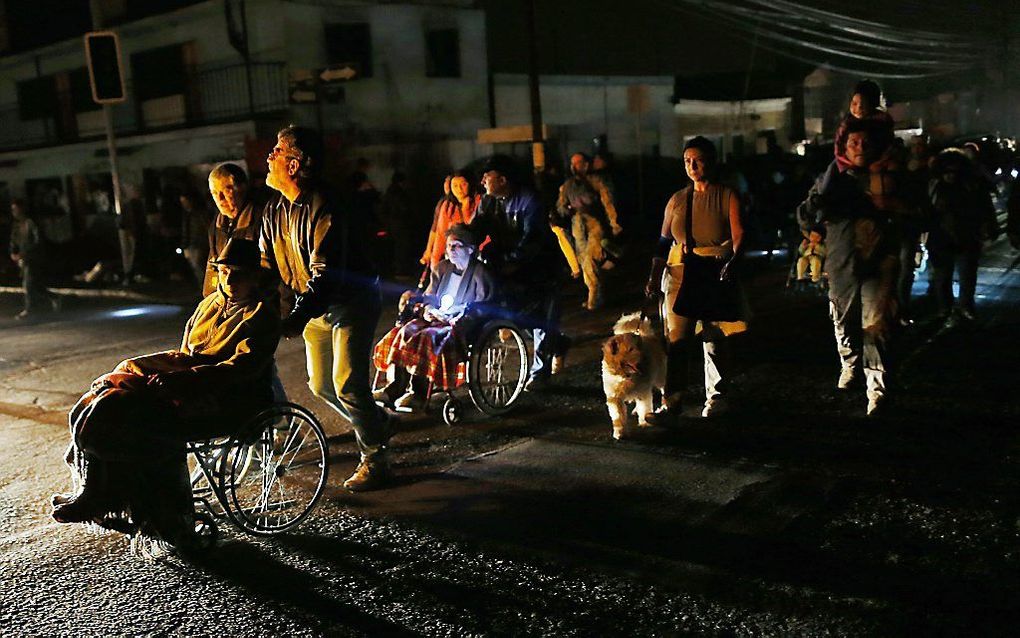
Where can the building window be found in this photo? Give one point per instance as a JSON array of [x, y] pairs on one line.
[[350, 43], [442, 53], [159, 73], [37, 98], [81, 92]]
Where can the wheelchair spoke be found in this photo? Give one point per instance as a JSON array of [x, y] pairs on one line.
[[287, 472], [296, 451]]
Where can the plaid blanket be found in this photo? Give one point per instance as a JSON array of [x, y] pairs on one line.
[[424, 349]]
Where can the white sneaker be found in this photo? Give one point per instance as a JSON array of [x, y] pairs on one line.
[[558, 363], [715, 407], [408, 402], [876, 406], [847, 376]]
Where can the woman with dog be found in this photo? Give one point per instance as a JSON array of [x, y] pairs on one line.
[[693, 271]]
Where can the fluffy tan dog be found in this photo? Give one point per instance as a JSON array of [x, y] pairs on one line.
[[633, 364]]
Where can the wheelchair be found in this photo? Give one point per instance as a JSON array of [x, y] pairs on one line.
[[496, 371], [266, 478], [496, 366]]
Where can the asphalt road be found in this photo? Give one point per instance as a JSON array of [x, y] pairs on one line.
[[794, 515]]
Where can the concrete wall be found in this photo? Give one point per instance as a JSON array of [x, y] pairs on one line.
[[578, 108], [398, 101]]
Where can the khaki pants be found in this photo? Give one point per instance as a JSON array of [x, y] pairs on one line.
[[812, 263], [338, 350], [587, 232], [679, 331]]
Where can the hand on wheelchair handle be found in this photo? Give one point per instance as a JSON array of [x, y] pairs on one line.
[[652, 290]]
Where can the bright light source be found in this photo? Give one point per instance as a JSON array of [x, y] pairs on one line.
[[998, 171], [180, 251], [152, 311], [446, 302], [1014, 173]]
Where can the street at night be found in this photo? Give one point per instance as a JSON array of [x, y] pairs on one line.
[[761, 522], [472, 318]]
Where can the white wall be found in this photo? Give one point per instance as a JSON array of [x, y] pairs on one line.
[[577, 108]]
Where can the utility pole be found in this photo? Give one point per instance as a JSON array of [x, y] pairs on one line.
[[124, 234], [537, 141]]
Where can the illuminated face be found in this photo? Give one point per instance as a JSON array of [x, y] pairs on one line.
[[236, 283], [459, 187], [458, 252], [17, 212], [695, 164], [228, 195], [283, 163], [495, 184], [815, 237], [579, 165], [857, 147], [860, 107], [599, 163]]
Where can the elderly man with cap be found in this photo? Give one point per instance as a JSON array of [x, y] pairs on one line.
[[522, 254], [319, 249], [128, 430]]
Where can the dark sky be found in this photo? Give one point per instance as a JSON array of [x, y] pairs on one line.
[[712, 59], [614, 37]]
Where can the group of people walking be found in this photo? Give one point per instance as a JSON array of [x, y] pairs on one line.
[[297, 264]]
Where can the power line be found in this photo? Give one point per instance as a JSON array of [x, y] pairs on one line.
[[895, 67]]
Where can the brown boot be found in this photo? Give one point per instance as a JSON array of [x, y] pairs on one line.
[[372, 473], [667, 414]]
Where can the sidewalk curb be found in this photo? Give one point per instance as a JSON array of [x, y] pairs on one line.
[[175, 298]]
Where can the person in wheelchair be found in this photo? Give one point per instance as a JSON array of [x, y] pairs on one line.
[[128, 431], [428, 343]]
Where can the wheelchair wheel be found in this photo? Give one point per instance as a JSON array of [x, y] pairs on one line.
[[497, 367], [206, 530], [453, 411], [276, 480]]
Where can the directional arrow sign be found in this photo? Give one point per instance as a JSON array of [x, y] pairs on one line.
[[302, 97], [339, 73]]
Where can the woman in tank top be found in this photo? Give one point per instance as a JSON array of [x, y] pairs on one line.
[[702, 220]]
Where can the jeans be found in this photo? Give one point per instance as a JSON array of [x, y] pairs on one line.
[[944, 262], [549, 341], [853, 309]]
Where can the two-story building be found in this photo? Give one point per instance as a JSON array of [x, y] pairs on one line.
[[402, 84]]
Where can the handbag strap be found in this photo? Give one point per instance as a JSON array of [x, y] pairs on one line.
[[689, 223]]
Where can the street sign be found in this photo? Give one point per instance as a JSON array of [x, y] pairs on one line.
[[102, 56], [338, 73], [303, 87], [321, 85]]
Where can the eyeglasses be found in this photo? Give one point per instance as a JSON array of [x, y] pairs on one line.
[[277, 151]]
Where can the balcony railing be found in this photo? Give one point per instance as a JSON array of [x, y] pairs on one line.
[[212, 95]]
